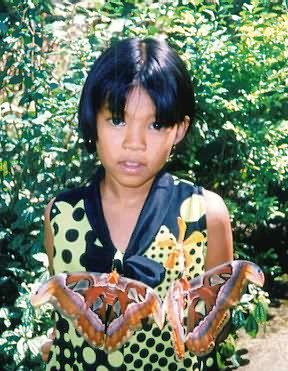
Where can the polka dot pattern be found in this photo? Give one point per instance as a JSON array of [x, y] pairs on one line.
[[76, 229], [56, 228], [78, 214], [115, 359], [72, 235], [158, 343], [66, 256], [149, 348], [210, 362], [89, 355]]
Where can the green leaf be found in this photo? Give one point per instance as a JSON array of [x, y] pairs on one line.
[[220, 361], [16, 79], [53, 85], [38, 40], [25, 99], [238, 318], [228, 347], [260, 313], [28, 82], [251, 326], [3, 26]]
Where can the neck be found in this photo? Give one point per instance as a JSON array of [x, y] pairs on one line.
[[129, 196]]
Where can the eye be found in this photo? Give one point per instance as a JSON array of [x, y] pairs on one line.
[[116, 122], [157, 126]]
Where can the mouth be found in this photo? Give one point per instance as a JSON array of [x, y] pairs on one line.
[[131, 166]]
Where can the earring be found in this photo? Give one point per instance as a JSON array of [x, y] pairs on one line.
[[172, 153]]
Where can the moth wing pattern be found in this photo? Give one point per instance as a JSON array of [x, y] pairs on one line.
[[105, 308], [208, 301], [108, 308]]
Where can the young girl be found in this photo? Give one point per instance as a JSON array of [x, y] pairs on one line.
[[137, 104]]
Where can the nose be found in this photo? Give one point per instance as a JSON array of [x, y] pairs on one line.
[[134, 138]]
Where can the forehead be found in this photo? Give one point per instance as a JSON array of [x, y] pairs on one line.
[[138, 105]]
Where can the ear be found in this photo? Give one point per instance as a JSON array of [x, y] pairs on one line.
[[182, 128]]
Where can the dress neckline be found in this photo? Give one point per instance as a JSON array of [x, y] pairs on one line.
[[164, 198], [148, 222]]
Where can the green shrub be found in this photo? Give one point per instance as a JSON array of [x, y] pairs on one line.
[[238, 145]]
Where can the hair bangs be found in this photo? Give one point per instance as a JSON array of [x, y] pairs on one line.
[[164, 101], [163, 91], [116, 99]]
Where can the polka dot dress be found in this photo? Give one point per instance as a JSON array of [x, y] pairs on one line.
[[75, 242]]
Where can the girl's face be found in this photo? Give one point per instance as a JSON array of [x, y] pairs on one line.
[[134, 151]]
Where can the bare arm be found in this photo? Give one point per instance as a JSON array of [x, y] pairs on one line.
[[220, 244], [48, 236], [49, 246]]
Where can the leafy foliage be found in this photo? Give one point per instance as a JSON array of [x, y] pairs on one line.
[[238, 146], [249, 314]]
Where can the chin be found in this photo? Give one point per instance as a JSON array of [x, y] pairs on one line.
[[134, 183]]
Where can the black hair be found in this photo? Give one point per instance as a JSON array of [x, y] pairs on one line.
[[150, 64]]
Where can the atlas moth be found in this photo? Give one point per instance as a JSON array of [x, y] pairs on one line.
[[207, 299], [105, 308], [108, 308]]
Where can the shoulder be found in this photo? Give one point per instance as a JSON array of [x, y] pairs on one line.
[[72, 197], [216, 209], [52, 209], [184, 185], [75, 194]]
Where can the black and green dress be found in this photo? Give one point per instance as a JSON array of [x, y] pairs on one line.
[[82, 242]]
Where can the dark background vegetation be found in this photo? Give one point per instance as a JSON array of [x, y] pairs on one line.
[[236, 53]]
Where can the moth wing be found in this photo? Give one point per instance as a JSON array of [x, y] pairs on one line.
[[204, 322], [58, 292], [210, 299], [137, 302]]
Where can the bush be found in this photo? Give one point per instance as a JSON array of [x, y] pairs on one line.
[[238, 146]]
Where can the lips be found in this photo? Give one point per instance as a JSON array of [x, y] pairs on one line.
[[132, 163], [131, 166]]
